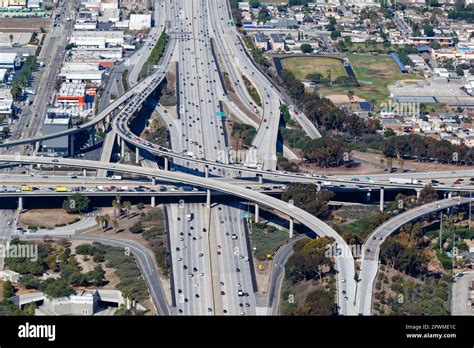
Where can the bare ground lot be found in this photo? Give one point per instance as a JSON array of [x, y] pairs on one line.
[[24, 24], [46, 217], [409, 164]]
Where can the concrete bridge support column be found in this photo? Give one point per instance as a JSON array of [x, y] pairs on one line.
[[206, 171], [318, 185], [93, 135], [153, 201], [257, 213], [20, 204], [122, 148], [167, 163], [418, 192], [37, 147], [84, 173], [291, 227], [450, 194], [71, 145], [153, 181], [381, 198], [208, 198], [137, 155], [260, 178], [369, 194]]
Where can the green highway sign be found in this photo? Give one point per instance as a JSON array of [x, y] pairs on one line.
[[221, 114], [245, 215]]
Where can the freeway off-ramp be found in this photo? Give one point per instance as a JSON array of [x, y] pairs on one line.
[[371, 248], [144, 258]]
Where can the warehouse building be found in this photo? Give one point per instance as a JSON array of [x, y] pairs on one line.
[[82, 73], [97, 38], [56, 121], [72, 95], [6, 102], [139, 21], [9, 61]]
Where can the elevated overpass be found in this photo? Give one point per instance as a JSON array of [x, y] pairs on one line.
[[344, 261]]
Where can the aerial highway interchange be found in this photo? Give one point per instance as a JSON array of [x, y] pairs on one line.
[[211, 259]]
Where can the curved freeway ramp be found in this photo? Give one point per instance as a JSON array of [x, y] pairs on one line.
[[143, 256], [371, 248]]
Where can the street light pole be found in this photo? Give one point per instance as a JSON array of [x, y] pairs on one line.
[[441, 232], [470, 204]]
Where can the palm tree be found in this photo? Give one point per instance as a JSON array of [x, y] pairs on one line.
[[98, 220], [350, 95], [115, 225], [382, 162], [400, 163], [389, 164], [117, 207], [328, 74], [128, 207], [105, 220]]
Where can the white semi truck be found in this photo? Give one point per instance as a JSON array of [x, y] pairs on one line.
[[409, 181]]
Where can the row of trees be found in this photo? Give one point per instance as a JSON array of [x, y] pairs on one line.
[[425, 148], [322, 112], [244, 132], [463, 12], [307, 197], [23, 79], [309, 262]]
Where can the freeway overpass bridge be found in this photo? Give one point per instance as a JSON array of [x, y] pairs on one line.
[[344, 262]]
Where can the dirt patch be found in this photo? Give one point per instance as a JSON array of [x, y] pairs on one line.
[[343, 98], [46, 218], [24, 24], [362, 168], [407, 164]]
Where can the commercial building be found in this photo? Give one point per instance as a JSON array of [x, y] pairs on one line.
[[278, 42], [72, 95], [426, 40], [108, 5], [261, 41], [56, 121], [97, 38], [75, 73], [85, 54], [82, 303], [9, 61], [18, 4], [139, 21], [6, 102], [110, 16]]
